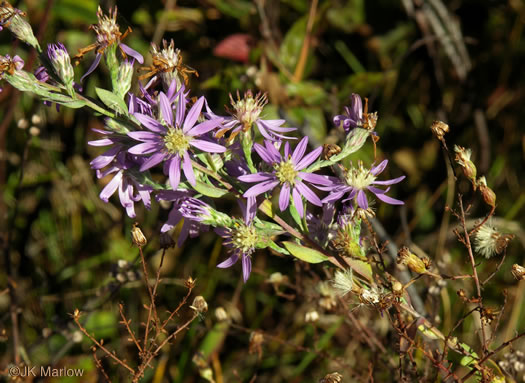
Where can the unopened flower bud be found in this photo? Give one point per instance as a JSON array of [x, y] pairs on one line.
[[463, 159], [137, 236], [12, 19], [488, 194], [124, 77], [199, 305], [518, 272], [61, 63], [439, 129]]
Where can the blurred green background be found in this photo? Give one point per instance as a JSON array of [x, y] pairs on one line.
[[459, 61]]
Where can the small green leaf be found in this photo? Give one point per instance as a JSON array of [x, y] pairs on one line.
[[304, 253], [112, 101], [209, 190]]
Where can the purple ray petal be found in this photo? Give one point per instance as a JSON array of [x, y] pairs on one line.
[[188, 169], [260, 188], [336, 196], [92, 67], [206, 146], [263, 153], [229, 262], [205, 127], [173, 219], [389, 182], [145, 148], [299, 151], [309, 158], [361, 200], [246, 267], [145, 136], [111, 187], [298, 202], [376, 190], [316, 179], [152, 161], [102, 142], [357, 106], [272, 151], [165, 109], [174, 172], [105, 158], [193, 114], [132, 52], [379, 168], [150, 123], [284, 197], [389, 200], [256, 177], [308, 194]]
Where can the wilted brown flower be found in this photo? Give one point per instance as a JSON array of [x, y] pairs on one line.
[[334, 377], [518, 272], [199, 305], [439, 129], [137, 236]]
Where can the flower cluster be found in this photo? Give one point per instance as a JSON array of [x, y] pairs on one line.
[[205, 156]]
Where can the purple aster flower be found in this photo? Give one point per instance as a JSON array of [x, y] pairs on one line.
[[108, 33], [171, 139], [245, 112], [130, 190], [191, 228], [359, 179], [61, 62], [288, 174], [353, 115], [241, 241], [321, 229]]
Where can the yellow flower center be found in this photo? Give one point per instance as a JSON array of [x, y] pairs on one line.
[[285, 172], [176, 142], [359, 177], [244, 238]]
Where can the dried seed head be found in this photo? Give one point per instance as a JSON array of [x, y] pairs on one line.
[[488, 241], [397, 287], [137, 236], [221, 314], [256, 342], [518, 272], [199, 305], [412, 261], [463, 159], [439, 129], [334, 377], [276, 278], [343, 282], [488, 194], [166, 241], [311, 316]]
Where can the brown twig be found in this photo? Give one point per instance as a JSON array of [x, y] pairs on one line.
[[76, 318], [126, 323]]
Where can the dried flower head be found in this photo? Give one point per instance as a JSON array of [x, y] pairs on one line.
[[334, 377], [412, 261], [256, 342], [12, 19], [488, 241], [167, 61], [328, 295], [518, 272], [199, 305], [463, 159], [439, 129], [330, 150], [221, 314], [487, 193], [137, 236], [311, 316], [190, 283]]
